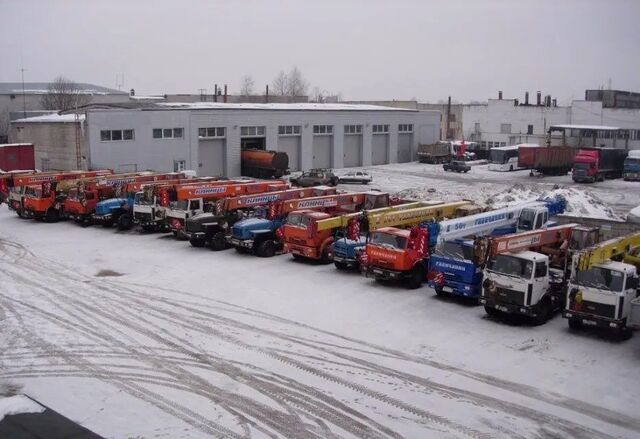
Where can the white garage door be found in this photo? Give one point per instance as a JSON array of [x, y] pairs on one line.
[[379, 149], [352, 151], [322, 146], [405, 141], [211, 158], [291, 145]]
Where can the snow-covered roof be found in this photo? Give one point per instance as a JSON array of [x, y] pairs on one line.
[[52, 118], [6, 145], [15, 88], [146, 98], [584, 127], [306, 106]]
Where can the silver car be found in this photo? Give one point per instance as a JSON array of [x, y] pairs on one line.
[[356, 177]]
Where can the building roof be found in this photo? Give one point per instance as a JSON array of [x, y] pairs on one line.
[[8, 145], [303, 106], [52, 118], [38, 88], [583, 127]]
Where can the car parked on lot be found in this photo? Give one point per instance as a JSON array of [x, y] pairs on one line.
[[456, 166], [315, 177], [355, 177]]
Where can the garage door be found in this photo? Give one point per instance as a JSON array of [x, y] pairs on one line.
[[352, 151], [379, 149], [291, 145], [322, 146], [405, 141], [211, 158]]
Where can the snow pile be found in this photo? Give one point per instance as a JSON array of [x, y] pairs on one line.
[[580, 203], [17, 404], [634, 215]]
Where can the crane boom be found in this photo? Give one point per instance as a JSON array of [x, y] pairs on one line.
[[606, 250], [414, 216], [246, 201], [534, 238], [37, 178], [343, 220], [326, 201]]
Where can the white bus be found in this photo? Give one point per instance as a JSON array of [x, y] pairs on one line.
[[505, 158]]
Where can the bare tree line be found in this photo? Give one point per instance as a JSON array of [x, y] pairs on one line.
[[292, 83], [63, 94]]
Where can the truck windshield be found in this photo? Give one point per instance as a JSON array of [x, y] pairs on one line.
[[140, 199], [511, 266], [526, 219], [179, 205], [631, 161], [601, 278], [298, 220], [454, 250], [73, 194], [388, 240]]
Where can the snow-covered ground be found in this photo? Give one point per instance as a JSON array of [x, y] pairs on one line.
[[139, 335]]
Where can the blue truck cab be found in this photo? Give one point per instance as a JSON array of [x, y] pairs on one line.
[[345, 251], [459, 275], [257, 235], [117, 211], [632, 166]]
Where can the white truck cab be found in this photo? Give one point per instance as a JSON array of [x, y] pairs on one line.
[[602, 296], [521, 283]]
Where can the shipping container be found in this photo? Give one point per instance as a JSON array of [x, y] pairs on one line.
[[547, 160], [17, 156]]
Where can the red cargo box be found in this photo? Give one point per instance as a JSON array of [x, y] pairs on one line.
[[17, 156], [548, 160]]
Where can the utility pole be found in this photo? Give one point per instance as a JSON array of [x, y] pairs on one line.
[[448, 117], [24, 101]]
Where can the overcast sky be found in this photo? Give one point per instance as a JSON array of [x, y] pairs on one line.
[[367, 49]]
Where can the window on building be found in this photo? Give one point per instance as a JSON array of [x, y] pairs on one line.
[[116, 135], [490, 145], [505, 128], [353, 129], [168, 133], [289, 130], [380, 129], [505, 143], [483, 144], [405, 128], [211, 132], [323, 129], [179, 165], [252, 131], [529, 129], [476, 127]]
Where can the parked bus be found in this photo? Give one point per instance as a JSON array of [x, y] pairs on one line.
[[505, 158]]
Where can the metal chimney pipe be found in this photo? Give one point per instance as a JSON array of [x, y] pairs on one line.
[[539, 98], [500, 94], [266, 94], [225, 93], [554, 102], [215, 93], [526, 98]]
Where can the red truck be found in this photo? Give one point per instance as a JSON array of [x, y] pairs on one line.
[[547, 160], [17, 156], [596, 164]]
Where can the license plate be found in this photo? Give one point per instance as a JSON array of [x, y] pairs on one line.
[[235, 241], [376, 271], [501, 308], [297, 251], [447, 289], [589, 322], [338, 259]]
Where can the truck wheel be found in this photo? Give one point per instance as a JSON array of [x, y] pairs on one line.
[[125, 222], [511, 168], [416, 279], [624, 334], [544, 313], [340, 265], [266, 248], [218, 242], [439, 291], [197, 242], [52, 216], [491, 312], [575, 324]]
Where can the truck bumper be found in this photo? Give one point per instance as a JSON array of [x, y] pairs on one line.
[[301, 250], [241, 243], [348, 262], [102, 218], [509, 308], [385, 274], [457, 288], [594, 320], [584, 179], [632, 176]]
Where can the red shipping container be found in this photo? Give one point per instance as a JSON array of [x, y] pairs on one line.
[[17, 156]]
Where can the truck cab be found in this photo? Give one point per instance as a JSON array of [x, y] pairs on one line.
[[393, 254], [523, 283], [632, 166], [301, 238], [602, 296], [458, 273]]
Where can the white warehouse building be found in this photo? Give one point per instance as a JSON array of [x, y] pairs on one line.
[[208, 137]]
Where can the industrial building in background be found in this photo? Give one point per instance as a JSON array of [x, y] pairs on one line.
[[208, 137]]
